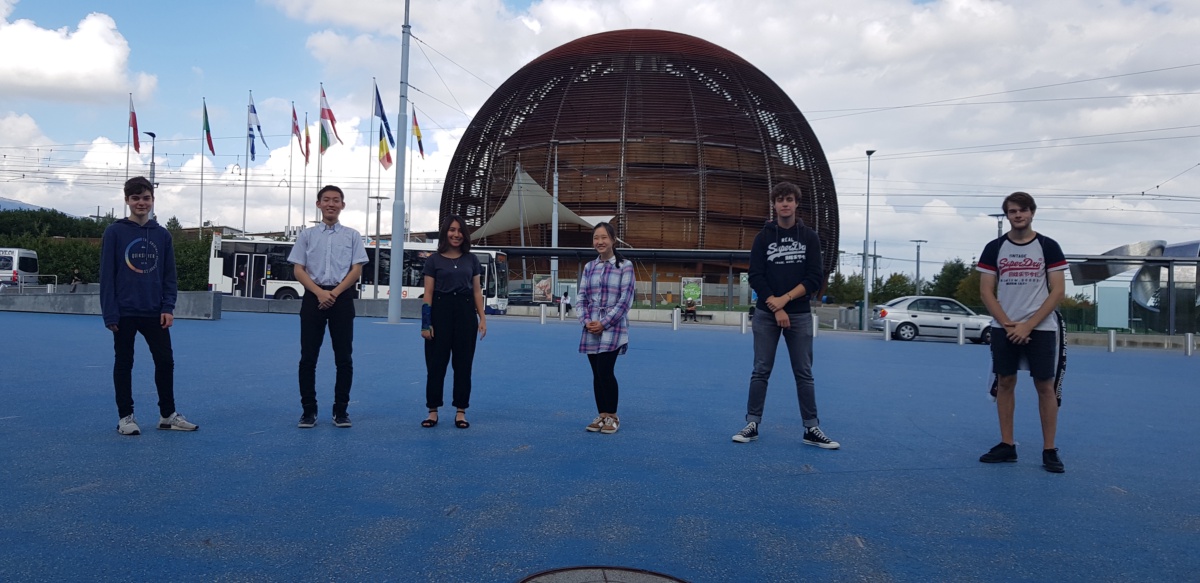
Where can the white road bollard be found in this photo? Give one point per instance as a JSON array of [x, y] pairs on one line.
[[1189, 344], [835, 323], [1112, 340], [745, 321], [675, 318], [887, 330], [962, 337], [542, 310], [562, 313], [816, 324]]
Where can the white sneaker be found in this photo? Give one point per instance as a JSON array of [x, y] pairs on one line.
[[596, 425], [611, 425], [177, 423], [128, 426]]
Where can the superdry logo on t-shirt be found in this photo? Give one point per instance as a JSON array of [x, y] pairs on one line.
[[788, 251], [1021, 266]]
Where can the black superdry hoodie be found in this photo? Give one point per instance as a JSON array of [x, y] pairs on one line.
[[783, 258]]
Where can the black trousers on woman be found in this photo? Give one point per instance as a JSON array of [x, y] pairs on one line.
[[604, 380], [454, 327]]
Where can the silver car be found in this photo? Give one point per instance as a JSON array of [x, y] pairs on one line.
[[912, 316]]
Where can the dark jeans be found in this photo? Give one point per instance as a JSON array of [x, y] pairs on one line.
[[604, 380], [455, 325], [798, 337], [159, 341], [313, 319]]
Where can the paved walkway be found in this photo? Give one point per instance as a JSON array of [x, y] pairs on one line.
[[251, 498]]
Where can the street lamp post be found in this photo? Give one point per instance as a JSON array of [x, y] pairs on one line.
[[999, 223], [153, 184], [554, 225], [918, 242], [378, 205], [866, 251]]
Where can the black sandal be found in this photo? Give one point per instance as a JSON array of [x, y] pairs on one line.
[[429, 422], [462, 423]]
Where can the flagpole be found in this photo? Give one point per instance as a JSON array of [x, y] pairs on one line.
[[291, 149], [320, 143], [398, 214], [202, 140], [370, 161], [128, 131], [246, 170], [304, 184], [408, 219]]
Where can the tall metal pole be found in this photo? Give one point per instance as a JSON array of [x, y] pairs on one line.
[[246, 171], [378, 207], [554, 225], [999, 224], [862, 316], [918, 242], [152, 136], [371, 160], [397, 265]]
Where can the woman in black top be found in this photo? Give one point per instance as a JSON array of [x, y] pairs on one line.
[[450, 315]]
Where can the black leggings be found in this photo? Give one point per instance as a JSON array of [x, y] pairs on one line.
[[604, 380], [454, 327]]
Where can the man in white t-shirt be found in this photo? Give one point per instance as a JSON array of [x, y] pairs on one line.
[[1022, 282]]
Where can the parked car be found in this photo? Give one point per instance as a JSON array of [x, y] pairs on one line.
[[932, 316], [521, 296]]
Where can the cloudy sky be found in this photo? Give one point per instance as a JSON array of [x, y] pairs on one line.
[[1089, 105]]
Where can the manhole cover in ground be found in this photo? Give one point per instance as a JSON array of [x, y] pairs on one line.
[[600, 575]]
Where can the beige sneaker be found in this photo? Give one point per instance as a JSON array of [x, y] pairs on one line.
[[176, 422], [611, 425], [596, 425]]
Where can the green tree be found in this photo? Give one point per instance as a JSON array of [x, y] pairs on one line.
[[47, 223], [836, 288], [945, 283], [191, 262], [897, 285], [173, 227], [968, 291]]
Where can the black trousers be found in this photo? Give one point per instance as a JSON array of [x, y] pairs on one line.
[[340, 319], [159, 341], [604, 380], [455, 325]]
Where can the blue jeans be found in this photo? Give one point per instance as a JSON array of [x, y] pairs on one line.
[[799, 344]]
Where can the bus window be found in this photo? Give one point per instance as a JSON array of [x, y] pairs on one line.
[[488, 279]]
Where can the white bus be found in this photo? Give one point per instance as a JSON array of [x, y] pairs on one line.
[[18, 267], [257, 267]]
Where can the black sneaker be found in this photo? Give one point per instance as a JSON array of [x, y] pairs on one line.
[[1003, 452], [307, 421], [747, 434], [814, 436], [341, 420], [1051, 462]]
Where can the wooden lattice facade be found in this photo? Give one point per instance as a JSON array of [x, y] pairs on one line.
[[676, 138]]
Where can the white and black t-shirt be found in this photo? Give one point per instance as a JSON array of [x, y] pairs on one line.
[[1021, 272]]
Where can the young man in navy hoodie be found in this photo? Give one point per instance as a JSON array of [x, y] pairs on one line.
[[137, 294], [785, 271]]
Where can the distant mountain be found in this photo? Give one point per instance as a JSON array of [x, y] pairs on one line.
[[8, 204]]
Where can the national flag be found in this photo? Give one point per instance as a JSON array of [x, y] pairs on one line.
[[137, 143], [328, 124], [307, 140], [417, 133], [379, 113], [296, 130], [208, 131], [251, 123], [385, 154]]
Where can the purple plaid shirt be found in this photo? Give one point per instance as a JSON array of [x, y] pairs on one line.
[[605, 296]]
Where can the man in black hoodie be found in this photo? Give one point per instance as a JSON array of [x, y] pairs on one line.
[[785, 271], [137, 294]]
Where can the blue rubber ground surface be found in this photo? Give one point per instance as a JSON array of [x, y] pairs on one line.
[[250, 497]]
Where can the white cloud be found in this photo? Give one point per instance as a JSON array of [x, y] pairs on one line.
[[87, 64]]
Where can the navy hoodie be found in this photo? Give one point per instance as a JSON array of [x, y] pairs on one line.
[[783, 258], [137, 271]]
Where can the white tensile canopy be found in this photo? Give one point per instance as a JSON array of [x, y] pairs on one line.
[[528, 204]]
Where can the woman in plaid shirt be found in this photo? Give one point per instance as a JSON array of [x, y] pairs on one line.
[[604, 298]]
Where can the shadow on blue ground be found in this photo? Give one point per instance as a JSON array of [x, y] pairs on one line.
[[525, 489]]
